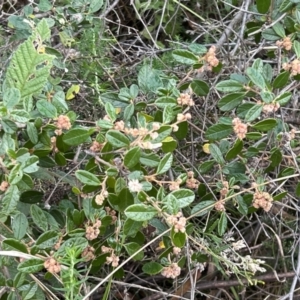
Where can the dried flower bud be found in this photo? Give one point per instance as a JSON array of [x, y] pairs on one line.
[[52, 265], [172, 271]]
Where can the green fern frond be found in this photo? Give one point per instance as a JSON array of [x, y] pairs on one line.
[[29, 67]]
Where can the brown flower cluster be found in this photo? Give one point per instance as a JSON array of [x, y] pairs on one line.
[[52, 265], [96, 146], [240, 129], [88, 253], [112, 213], [182, 117], [178, 221], [91, 232], [185, 99], [63, 122], [220, 205], [263, 200], [171, 271], [4, 186], [286, 43], [99, 199], [293, 67], [211, 58], [175, 185], [191, 182], [53, 144], [270, 108], [112, 259], [120, 125]]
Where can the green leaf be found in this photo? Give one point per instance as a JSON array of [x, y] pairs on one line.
[[263, 6], [95, 5], [152, 268], [242, 205], [11, 97], [265, 125], [184, 197], [132, 248], [132, 157], [15, 174], [31, 197], [296, 47], [148, 79], [165, 164], [168, 114], [46, 109], [279, 29], [111, 111], [12, 244], [203, 207], [281, 80], [179, 239], [270, 35], [218, 132], [235, 150], [197, 48], [30, 291], [284, 98], [229, 102], [38, 217], [31, 266], [19, 225], [87, 178], [132, 227], [30, 165], [47, 240], [216, 154], [297, 190], [140, 212], [266, 96], [10, 200], [185, 57], [222, 224], [32, 133], [253, 113], [199, 87], [28, 70], [8, 126], [230, 85], [76, 136], [162, 102], [117, 139], [163, 132], [149, 159], [256, 77]]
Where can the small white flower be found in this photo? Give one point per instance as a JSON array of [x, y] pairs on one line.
[[135, 186]]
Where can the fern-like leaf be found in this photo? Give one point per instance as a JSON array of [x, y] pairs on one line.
[[29, 67]]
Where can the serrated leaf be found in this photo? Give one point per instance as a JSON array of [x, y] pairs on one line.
[[265, 125], [253, 113], [140, 212], [117, 139], [87, 178], [132, 157], [230, 85], [218, 132], [31, 266], [38, 217], [185, 57], [152, 268], [28, 70], [19, 225], [165, 164], [11, 97], [231, 101], [76, 136]]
